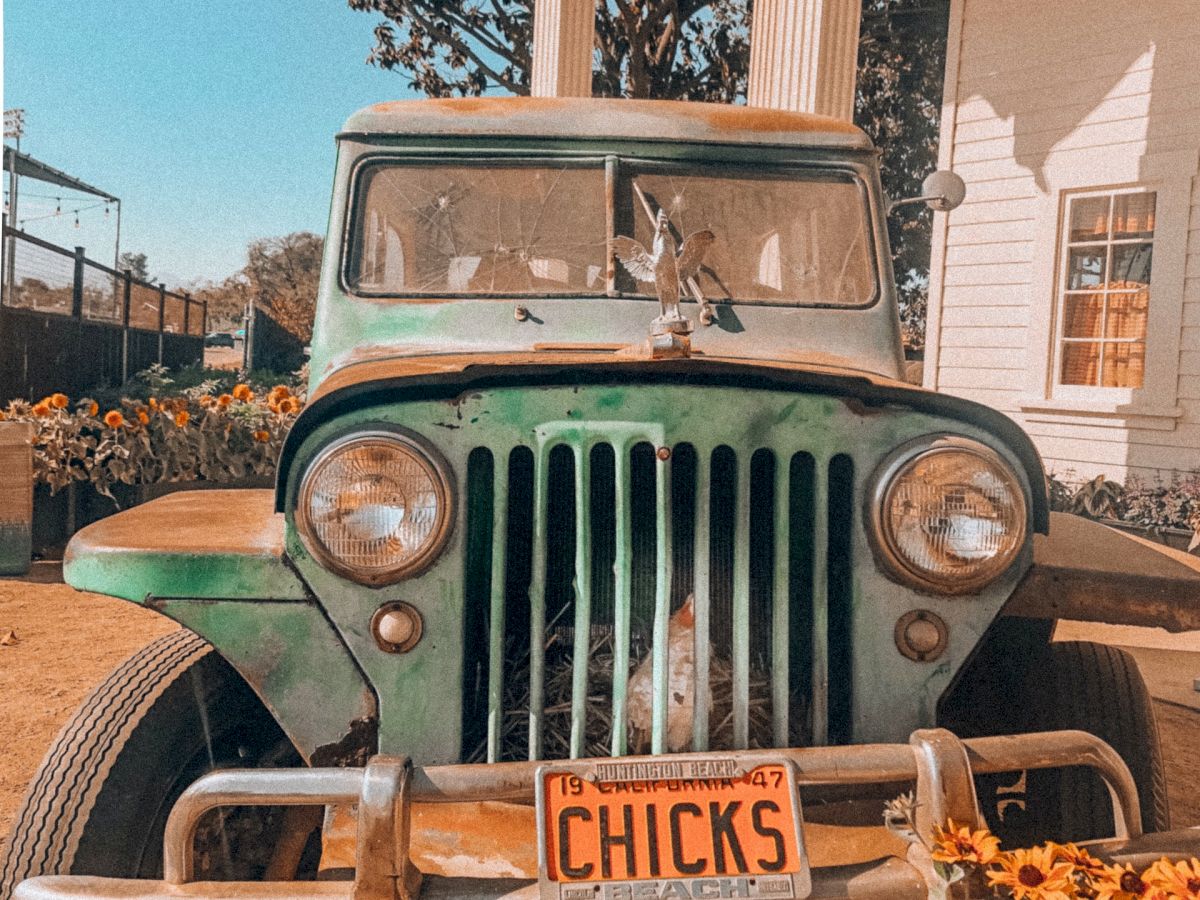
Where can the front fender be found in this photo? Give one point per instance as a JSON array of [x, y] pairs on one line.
[[214, 562], [1086, 571]]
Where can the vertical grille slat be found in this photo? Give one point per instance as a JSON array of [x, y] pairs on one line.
[[781, 608], [701, 601], [662, 607], [583, 599], [622, 600], [741, 606], [581, 550], [496, 630], [537, 602]]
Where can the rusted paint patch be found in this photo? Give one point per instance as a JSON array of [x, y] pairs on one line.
[[585, 118], [353, 749]]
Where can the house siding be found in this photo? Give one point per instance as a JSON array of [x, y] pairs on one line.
[[1035, 90]]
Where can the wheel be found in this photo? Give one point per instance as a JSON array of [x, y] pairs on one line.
[[1019, 682], [99, 802], [1095, 688]]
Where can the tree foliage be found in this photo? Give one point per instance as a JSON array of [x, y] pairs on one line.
[[135, 264], [697, 50], [280, 277]]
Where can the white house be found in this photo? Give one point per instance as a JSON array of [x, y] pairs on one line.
[[1065, 291]]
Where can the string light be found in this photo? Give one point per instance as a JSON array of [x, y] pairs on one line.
[[58, 206], [76, 218]]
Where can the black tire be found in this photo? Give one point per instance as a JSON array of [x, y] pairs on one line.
[[99, 802], [1099, 689]]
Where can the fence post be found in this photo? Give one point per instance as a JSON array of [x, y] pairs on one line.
[[162, 314], [204, 317], [187, 313], [77, 288], [127, 294]]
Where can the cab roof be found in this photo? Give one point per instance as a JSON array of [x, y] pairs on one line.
[[600, 118]]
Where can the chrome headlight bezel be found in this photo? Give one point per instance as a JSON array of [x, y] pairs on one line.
[[881, 493], [440, 476]]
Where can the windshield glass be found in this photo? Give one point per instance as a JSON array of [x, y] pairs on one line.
[[787, 237]]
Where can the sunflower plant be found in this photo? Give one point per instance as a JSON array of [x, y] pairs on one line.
[[973, 859], [192, 434]]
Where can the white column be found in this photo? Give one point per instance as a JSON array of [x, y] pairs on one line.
[[804, 55], [564, 32]]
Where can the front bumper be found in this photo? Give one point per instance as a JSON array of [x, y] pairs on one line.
[[941, 766]]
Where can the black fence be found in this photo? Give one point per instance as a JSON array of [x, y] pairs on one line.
[[70, 324]]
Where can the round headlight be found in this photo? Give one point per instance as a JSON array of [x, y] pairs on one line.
[[374, 507], [949, 515]]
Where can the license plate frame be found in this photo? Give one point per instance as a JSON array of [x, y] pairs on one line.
[[656, 773]]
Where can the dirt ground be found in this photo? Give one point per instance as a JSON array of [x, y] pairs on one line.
[[65, 642]]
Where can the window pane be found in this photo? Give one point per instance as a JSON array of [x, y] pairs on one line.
[[1124, 365], [792, 237], [1082, 314], [1080, 363], [1086, 267], [1089, 219], [1133, 215], [1131, 264], [469, 229], [1127, 315]]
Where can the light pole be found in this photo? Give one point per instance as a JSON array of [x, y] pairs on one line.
[[14, 127]]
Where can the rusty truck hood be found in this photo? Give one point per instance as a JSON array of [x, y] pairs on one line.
[[373, 378]]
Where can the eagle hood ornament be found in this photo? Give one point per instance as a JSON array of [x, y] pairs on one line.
[[662, 267]]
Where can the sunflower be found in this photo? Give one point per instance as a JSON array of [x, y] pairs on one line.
[[142, 416], [1121, 883], [242, 392], [182, 417], [955, 844], [1178, 881], [153, 403], [94, 408], [113, 419], [1033, 873], [279, 392], [59, 401], [262, 436], [224, 400], [289, 405], [1082, 861], [41, 409]]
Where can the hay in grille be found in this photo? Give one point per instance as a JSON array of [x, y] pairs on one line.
[[556, 733]]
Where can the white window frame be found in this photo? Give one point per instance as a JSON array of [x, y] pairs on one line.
[[1155, 404], [1089, 393]]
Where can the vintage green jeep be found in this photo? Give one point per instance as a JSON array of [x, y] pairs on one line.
[[572, 591]]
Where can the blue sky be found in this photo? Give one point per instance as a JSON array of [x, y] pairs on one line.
[[212, 120]]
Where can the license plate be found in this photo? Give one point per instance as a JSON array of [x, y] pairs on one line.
[[670, 829]]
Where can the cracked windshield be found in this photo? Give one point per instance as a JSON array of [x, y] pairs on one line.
[[783, 238]]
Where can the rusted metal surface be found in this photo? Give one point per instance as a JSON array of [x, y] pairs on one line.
[[396, 378], [387, 790], [945, 788], [1084, 570], [225, 544], [638, 120]]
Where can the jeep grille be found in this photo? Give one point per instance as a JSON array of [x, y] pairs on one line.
[[580, 550]]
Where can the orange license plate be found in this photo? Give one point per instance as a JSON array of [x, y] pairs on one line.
[[670, 829]]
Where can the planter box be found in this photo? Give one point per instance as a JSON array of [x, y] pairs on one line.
[[16, 497], [1177, 538], [56, 518]]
